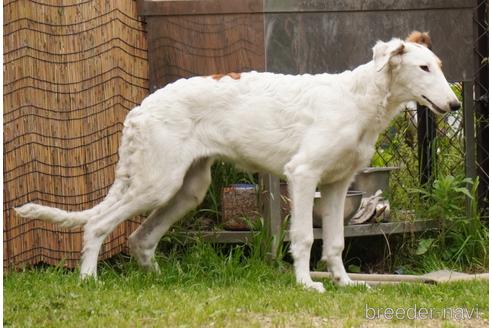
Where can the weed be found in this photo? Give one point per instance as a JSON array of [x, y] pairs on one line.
[[462, 239], [262, 243]]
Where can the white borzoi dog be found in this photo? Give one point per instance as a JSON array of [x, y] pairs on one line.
[[314, 130]]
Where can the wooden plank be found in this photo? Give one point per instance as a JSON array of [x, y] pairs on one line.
[[201, 45], [388, 228], [372, 278], [198, 7], [371, 229], [441, 276], [221, 236], [285, 6]]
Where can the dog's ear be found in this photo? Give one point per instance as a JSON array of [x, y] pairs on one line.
[[384, 52]]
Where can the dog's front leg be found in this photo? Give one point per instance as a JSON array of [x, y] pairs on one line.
[[332, 210], [332, 204], [302, 186]]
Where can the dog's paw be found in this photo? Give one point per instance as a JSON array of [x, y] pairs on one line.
[[317, 286], [153, 267], [349, 282], [145, 260], [88, 276], [361, 284]]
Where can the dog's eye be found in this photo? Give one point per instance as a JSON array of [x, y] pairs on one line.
[[424, 68]]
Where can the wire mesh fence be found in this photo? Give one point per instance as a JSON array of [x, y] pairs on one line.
[[401, 146]]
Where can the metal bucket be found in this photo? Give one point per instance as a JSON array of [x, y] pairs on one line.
[[373, 179], [352, 205]]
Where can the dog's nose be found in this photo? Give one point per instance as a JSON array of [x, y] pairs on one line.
[[454, 106]]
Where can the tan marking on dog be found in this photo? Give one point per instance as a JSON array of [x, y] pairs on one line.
[[217, 76], [399, 51], [422, 38], [232, 75]]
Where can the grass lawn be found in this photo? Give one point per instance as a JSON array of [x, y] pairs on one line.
[[203, 288]]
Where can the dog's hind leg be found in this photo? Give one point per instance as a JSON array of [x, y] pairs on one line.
[[302, 186], [137, 199], [144, 240], [97, 229]]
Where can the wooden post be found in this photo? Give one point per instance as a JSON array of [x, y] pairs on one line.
[[270, 205]]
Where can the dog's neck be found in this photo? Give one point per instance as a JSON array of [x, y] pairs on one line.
[[376, 93]]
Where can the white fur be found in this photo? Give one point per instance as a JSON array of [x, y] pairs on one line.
[[314, 130]]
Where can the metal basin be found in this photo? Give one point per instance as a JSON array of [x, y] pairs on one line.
[[352, 205], [372, 179]]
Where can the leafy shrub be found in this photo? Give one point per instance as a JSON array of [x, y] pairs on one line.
[[462, 240]]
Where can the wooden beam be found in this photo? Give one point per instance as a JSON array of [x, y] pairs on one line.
[[198, 7], [270, 207], [359, 230]]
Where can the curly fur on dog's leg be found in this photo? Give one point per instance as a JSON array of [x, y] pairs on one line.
[[144, 240]]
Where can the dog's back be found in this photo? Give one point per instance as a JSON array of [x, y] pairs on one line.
[[248, 117]]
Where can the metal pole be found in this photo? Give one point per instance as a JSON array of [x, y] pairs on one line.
[[426, 134], [481, 90], [469, 130]]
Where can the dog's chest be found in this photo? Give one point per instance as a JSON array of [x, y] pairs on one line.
[[348, 162]]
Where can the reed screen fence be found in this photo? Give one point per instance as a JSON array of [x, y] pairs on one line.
[[72, 71]]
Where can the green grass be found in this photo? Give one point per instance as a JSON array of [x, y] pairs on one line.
[[202, 286]]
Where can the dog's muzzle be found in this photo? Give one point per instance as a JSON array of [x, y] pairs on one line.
[[434, 106], [454, 106]]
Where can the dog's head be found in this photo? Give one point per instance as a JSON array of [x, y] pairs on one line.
[[416, 71]]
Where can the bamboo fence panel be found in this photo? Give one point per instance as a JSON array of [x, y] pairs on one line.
[[72, 71]]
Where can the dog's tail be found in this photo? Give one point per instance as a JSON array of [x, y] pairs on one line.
[[65, 218]]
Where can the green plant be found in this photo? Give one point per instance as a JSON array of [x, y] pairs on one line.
[[262, 242], [462, 239], [458, 90], [447, 197], [223, 174]]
